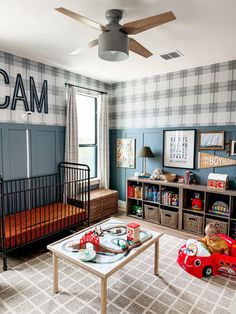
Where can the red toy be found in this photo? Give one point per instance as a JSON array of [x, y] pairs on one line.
[[89, 238], [197, 202], [214, 264]]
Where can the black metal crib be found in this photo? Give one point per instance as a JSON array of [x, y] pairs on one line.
[[36, 207]]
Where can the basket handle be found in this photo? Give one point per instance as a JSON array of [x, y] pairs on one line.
[[191, 218], [167, 215]]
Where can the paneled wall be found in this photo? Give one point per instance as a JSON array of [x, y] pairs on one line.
[[202, 96], [46, 148], [154, 139]]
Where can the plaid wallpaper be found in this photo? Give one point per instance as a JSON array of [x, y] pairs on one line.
[[194, 97], [56, 78]]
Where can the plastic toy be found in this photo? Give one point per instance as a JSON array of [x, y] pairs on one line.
[[197, 202], [197, 260]]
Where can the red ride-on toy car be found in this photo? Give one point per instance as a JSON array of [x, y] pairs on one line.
[[197, 261]]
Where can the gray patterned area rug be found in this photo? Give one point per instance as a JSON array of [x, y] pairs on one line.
[[27, 288]]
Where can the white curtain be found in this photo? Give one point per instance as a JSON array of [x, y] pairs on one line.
[[72, 143], [103, 143]]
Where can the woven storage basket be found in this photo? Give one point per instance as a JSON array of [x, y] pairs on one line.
[[169, 177], [152, 213], [169, 218], [193, 223], [221, 225]]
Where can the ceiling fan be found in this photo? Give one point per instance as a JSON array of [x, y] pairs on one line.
[[114, 43]]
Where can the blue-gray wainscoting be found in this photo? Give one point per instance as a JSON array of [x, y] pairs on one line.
[[154, 139], [46, 149]]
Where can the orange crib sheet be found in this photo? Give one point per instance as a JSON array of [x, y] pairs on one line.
[[35, 223]]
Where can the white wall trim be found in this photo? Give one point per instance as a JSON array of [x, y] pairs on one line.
[[122, 205]]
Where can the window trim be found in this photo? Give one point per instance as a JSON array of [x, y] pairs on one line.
[[95, 145]]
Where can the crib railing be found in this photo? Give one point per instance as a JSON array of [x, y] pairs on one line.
[[36, 207]]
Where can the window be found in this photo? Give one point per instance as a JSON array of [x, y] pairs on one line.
[[87, 129]]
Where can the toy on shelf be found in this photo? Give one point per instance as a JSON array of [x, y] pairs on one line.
[[152, 194], [197, 203], [220, 208], [169, 198], [135, 191], [137, 210], [217, 181]]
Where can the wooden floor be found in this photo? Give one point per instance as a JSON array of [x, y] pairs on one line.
[[28, 252]]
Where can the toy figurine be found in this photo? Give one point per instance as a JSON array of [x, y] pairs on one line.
[[197, 203]]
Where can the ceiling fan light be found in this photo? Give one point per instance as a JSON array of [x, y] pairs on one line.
[[113, 46]]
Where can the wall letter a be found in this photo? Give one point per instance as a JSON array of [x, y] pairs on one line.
[[19, 85]]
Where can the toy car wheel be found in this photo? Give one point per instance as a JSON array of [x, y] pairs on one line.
[[207, 271]]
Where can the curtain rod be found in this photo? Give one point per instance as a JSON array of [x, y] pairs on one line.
[[93, 90]]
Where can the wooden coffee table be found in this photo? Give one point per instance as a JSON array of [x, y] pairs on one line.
[[104, 265]]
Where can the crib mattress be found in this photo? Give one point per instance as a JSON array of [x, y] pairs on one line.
[[29, 225]]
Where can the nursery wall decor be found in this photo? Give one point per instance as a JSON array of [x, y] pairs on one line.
[[211, 140], [179, 148], [212, 161], [125, 153], [232, 147]]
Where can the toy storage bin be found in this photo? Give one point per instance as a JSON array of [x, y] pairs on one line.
[[169, 218], [152, 213], [193, 223], [221, 225]]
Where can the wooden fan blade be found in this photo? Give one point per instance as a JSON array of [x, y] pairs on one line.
[[82, 19], [138, 48], [91, 44], [139, 26]]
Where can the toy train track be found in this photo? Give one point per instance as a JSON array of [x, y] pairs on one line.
[[111, 239]]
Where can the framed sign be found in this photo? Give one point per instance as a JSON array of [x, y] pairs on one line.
[[232, 147], [211, 140], [125, 153], [179, 149]]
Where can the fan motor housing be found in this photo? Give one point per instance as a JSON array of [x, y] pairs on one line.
[[113, 46]]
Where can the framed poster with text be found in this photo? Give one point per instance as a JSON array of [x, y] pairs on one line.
[[179, 148]]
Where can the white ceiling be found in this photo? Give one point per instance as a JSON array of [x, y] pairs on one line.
[[204, 32]]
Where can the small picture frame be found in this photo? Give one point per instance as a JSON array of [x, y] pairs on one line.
[[211, 140], [232, 147]]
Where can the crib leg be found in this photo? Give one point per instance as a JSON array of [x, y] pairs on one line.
[[4, 267]]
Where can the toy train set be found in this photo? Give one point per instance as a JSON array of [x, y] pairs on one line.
[[107, 244]]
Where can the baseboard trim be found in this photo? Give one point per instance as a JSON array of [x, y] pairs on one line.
[[122, 205]]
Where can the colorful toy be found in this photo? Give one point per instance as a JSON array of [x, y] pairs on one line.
[[217, 181], [98, 237], [133, 232], [219, 208], [89, 238], [197, 203], [197, 262]]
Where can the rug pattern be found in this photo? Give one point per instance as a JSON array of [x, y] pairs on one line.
[[27, 288]]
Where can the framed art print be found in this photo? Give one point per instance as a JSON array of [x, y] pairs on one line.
[[125, 153], [179, 149], [211, 140]]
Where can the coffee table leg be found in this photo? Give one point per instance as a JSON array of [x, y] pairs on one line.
[[156, 258], [55, 273], [103, 295]]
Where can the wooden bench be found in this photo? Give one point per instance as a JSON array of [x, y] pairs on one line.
[[103, 203]]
